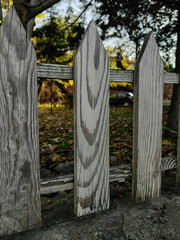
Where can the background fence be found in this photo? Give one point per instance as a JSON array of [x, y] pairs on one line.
[[20, 186]]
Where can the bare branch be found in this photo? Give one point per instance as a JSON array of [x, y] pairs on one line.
[[85, 8], [173, 3]]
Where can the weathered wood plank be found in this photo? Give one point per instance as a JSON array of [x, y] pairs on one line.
[[148, 104], [19, 156], [172, 78], [168, 163], [121, 76], [120, 173], [116, 173], [54, 71], [63, 72], [91, 117], [60, 183]]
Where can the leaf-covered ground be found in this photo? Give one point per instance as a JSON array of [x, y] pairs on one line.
[[56, 136]]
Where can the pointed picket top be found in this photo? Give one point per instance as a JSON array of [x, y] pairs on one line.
[[148, 103], [149, 44], [13, 25], [91, 109], [19, 155], [12, 16], [93, 35]]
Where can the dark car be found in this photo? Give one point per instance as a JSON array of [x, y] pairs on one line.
[[125, 98]]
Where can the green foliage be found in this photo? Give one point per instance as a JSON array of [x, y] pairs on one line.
[[118, 61], [4, 6], [169, 67], [56, 40], [135, 18]]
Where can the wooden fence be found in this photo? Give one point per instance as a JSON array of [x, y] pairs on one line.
[[20, 185]]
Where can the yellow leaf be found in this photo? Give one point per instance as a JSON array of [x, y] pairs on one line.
[[166, 142]]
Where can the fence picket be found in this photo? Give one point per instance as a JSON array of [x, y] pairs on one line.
[[19, 148], [91, 116], [19, 141], [148, 100]]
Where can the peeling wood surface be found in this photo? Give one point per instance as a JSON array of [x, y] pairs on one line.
[[19, 140], [148, 104], [57, 184], [91, 120], [64, 72], [116, 173]]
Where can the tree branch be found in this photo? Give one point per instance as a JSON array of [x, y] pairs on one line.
[[42, 5], [85, 8], [171, 2]]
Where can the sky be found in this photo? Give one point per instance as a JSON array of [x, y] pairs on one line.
[[61, 9], [125, 44]]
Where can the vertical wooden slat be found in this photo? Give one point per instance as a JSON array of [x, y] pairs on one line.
[[19, 140], [148, 100], [91, 116]]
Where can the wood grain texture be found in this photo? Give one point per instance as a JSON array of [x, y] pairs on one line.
[[148, 104], [54, 71], [19, 148], [56, 184], [171, 78], [91, 117], [168, 163], [63, 72], [118, 173], [121, 76]]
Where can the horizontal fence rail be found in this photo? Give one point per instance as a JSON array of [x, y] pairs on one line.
[[21, 186], [116, 173], [63, 72]]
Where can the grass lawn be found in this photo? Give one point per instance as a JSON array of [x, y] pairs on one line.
[[56, 136]]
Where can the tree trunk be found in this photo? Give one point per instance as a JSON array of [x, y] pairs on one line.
[[178, 106], [1, 15], [40, 82], [30, 27], [175, 102], [28, 9]]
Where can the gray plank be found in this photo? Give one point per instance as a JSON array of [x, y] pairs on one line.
[[19, 156], [168, 163], [148, 103], [63, 72], [54, 71], [118, 173], [171, 78], [121, 76], [56, 184], [91, 117]]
